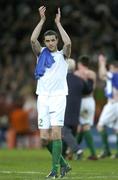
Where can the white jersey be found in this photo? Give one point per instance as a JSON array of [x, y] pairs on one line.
[[53, 82]]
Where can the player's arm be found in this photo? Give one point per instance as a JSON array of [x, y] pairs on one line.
[[34, 37], [102, 71], [65, 38]]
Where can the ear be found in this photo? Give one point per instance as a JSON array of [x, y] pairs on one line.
[[44, 40], [44, 43]]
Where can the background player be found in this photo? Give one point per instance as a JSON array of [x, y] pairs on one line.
[[109, 115], [87, 110], [76, 86]]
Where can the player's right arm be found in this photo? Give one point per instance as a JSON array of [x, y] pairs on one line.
[[102, 71], [36, 46]]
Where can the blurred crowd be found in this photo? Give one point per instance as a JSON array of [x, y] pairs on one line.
[[91, 24]]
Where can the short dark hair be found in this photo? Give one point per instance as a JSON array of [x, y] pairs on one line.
[[50, 32], [85, 60]]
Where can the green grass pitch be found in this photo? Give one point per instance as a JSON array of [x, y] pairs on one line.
[[35, 165]]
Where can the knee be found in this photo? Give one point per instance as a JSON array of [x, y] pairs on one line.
[[100, 128], [79, 128], [44, 136], [44, 142], [86, 127], [56, 133]]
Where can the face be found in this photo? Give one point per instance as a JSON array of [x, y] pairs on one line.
[[81, 66], [113, 68], [51, 42]]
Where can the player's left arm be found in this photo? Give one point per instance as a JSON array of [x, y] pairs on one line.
[[65, 38]]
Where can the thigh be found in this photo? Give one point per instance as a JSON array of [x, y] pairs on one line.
[[43, 112], [107, 116], [57, 107], [87, 111], [114, 122]]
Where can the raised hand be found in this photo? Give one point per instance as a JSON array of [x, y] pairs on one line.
[[42, 10], [102, 59], [58, 16]]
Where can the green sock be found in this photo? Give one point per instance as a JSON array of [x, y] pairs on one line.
[[117, 143], [80, 137], [56, 153], [89, 142], [104, 137], [62, 160], [57, 158]]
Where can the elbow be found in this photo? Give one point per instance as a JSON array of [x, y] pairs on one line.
[[68, 43], [102, 77], [67, 49], [33, 40]]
